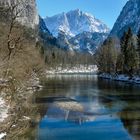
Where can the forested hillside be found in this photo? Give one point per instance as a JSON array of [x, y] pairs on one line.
[[120, 56]]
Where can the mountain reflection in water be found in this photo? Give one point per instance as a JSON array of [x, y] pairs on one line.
[[111, 110]]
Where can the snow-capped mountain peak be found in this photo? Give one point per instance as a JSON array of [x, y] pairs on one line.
[[74, 23]]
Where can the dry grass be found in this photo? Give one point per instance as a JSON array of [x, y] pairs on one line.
[[25, 57]]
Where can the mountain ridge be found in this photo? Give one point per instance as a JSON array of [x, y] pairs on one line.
[[77, 30], [74, 22], [131, 10]]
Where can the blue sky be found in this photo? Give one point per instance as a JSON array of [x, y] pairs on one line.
[[105, 10]]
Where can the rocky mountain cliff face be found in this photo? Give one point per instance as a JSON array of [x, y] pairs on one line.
[[28, 15], [77, 30], [87, 41], [45, 35], [129, 17]]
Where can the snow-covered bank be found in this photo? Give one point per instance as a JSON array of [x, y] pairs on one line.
[[70, 70], [121, 77], [3, 114], [34, 83], [18, 113]]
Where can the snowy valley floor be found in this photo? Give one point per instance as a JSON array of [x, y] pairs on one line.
[[93, 70], [71, 70]]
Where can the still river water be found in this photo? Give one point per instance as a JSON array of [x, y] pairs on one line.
[[111, 110]]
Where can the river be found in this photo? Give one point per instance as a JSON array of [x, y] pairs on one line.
[[84, 107]]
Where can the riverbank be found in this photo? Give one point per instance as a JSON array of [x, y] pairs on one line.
[[70, 70], [3, 109], [121, 77], [17, 113]]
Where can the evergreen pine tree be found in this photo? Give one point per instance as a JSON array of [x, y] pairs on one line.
[[138, 48], [107, 57], [138, 35], [129, 53]]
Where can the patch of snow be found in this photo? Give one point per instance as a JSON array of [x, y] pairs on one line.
[[26, 118], [13, 126], [3, 110], [34, 83], [2, 135]]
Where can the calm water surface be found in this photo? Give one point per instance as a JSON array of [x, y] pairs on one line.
[[111, 110]]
